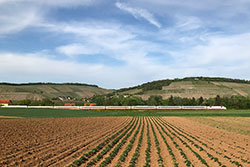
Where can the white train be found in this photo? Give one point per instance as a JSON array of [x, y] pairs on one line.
[[123, 107]]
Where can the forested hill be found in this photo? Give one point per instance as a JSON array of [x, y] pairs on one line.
[[39, 91], [190, 87]]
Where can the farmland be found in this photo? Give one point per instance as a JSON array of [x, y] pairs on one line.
[[60, 113], [125, 141]]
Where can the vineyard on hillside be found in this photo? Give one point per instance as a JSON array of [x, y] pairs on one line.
[[121, 141]]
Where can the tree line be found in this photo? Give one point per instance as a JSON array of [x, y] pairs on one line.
[[234, 102]]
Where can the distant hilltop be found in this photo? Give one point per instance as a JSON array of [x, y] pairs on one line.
[[189, 87], [45, 83], [52, 91]]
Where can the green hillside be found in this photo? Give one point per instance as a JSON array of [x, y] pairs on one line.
[[190, 87], [38, 91], [185, 88]]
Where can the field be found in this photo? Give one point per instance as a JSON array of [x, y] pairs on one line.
[[59, 113], [125, 141]]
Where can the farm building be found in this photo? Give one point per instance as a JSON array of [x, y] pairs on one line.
[[4, 102], [89, 104], [69, 104]]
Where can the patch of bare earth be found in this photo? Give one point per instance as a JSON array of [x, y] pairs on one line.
[[9, 117], [194, 160], [52, 142], [182, 141], [230, 148]]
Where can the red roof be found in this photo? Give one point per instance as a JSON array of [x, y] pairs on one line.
[[4, 101], [69, 104]]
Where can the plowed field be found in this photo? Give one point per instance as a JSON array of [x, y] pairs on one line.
[[122, 141]]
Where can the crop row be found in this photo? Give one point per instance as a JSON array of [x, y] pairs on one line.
[[136, 154], [118, 147], [160, 160], [178, 144], [204, 144], [203, 161], [215, 159], [188, 163], [95, 150], [148, 149], [124, 154]]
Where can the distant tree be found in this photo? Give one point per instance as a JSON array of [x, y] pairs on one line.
[[46, 102], [193, 102], [171, 101], [218, 100], [99, 100], [24, 102], [200, 100], [155, 101]]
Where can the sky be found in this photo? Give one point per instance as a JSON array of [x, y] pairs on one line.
[[123, 43]]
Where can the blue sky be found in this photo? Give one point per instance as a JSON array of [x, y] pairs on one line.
[[118, 44]]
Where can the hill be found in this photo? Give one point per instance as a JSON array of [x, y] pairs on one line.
[[185, 88], [190, 87], [39, 91]]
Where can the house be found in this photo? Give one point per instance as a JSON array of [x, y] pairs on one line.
[[69, 104], [89, 104], [4, 102]]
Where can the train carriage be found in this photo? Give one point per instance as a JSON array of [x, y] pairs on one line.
[[143, 107]]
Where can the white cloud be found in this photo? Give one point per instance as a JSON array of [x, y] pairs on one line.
[[16, 18], [215, 56], [139, 13], [50, 3], [195, 4], [33, 68], [191, 54], [76, 49], [225, 56], [220, 53], [96, 37], [16, 15], [185, 23]]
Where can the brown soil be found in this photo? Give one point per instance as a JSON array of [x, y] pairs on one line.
[[189, 154], [232, 124], [154, 155], [9, 117], [60, 141], [123, 147], [43, 142], [132, 151], [142, 156], [228, 147], [167, 160]]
